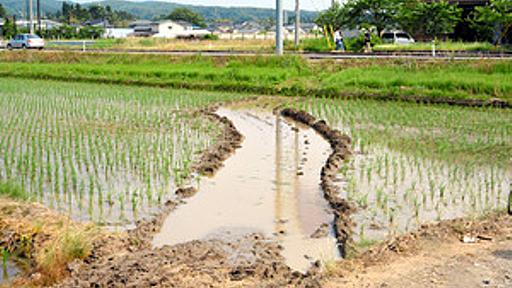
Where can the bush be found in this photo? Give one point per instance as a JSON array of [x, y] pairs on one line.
[[210, 37], [315, 45], [356, 44]]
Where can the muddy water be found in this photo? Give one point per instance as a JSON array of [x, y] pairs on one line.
[[9, 271], [269, 186]]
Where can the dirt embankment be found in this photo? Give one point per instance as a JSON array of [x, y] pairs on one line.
[[340, 145], [452, 253]]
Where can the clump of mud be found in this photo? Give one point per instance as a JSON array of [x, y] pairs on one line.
[[248, 262], [340, 145], [212, 160]]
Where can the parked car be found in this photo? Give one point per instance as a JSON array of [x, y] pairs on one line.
[[397, 37], [26, 41]]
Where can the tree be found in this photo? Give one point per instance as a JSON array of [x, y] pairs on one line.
[[380, 14], [432, 19], [8, 30], [494, 17], [336, 16], [187, 15], [3, 13]]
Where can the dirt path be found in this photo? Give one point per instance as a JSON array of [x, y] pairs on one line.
[[456, 264], [452, 253]]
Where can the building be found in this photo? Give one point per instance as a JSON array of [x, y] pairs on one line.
[[118, 33], [46, 24], [167, 29]]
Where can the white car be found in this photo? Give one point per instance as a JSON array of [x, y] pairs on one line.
[[397, 37], [26, 41]]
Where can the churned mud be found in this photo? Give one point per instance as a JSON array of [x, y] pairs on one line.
[[340, 145], [271, 185], [244, 227]]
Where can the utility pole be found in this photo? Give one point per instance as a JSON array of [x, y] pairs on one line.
[[31, 17], [297, 23], [39, 16], [279, 27]]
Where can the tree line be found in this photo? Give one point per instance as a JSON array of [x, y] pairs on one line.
[[420, 18]]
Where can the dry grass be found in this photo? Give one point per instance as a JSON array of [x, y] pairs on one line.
[[179, 44], [47, 240]]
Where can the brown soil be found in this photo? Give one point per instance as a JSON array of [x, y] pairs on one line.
[[456, 253], [340, 144]]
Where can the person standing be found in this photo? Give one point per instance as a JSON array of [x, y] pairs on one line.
[[368, 41], [338, 39]]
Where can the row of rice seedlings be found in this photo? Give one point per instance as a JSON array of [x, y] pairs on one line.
[[418, 163], [98, 154]]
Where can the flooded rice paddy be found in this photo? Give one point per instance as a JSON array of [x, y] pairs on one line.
[[114, 155], [9, 271], [414, 164], [98, 152], [269, 186]]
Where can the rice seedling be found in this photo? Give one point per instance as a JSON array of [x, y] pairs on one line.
[[76, 146], [420, 163]]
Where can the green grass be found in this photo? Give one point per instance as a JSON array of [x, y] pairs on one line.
[[289, 76], [444, 46], [13, 191]]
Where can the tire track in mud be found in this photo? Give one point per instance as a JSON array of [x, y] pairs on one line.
[[250, 261], [340, 145], [208, 164]]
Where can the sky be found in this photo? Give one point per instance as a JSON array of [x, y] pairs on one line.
[[313, 5]]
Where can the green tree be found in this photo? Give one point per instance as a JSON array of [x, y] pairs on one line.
[[336, 16], [8, 30], [432, 19], [185, 14], [380, 14], [3, 13], [494, 17]]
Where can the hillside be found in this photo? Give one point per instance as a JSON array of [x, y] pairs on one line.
[[153, 9]]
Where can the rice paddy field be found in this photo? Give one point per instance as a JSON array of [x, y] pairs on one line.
[[415, 164], [110, 154], [111, 144]]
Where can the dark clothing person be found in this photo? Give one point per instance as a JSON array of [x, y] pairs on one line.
[[368, 41]]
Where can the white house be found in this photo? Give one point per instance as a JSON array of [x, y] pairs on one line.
[[166, 29], [118, 33], [176, 29]]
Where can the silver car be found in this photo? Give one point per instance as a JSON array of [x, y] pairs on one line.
[[397, 37], [26, 41]]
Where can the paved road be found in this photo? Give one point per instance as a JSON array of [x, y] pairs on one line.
[[421, 55]]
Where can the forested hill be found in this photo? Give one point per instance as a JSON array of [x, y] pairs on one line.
[[154, 9]]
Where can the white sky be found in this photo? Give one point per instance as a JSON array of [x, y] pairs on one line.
[[314, 5]]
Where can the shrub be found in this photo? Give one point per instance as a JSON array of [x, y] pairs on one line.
[[211, 37]]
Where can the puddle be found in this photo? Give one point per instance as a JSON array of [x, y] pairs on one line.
[[9, 271], [269, 186]]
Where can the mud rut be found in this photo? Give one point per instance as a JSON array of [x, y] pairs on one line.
[[259, 226]]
